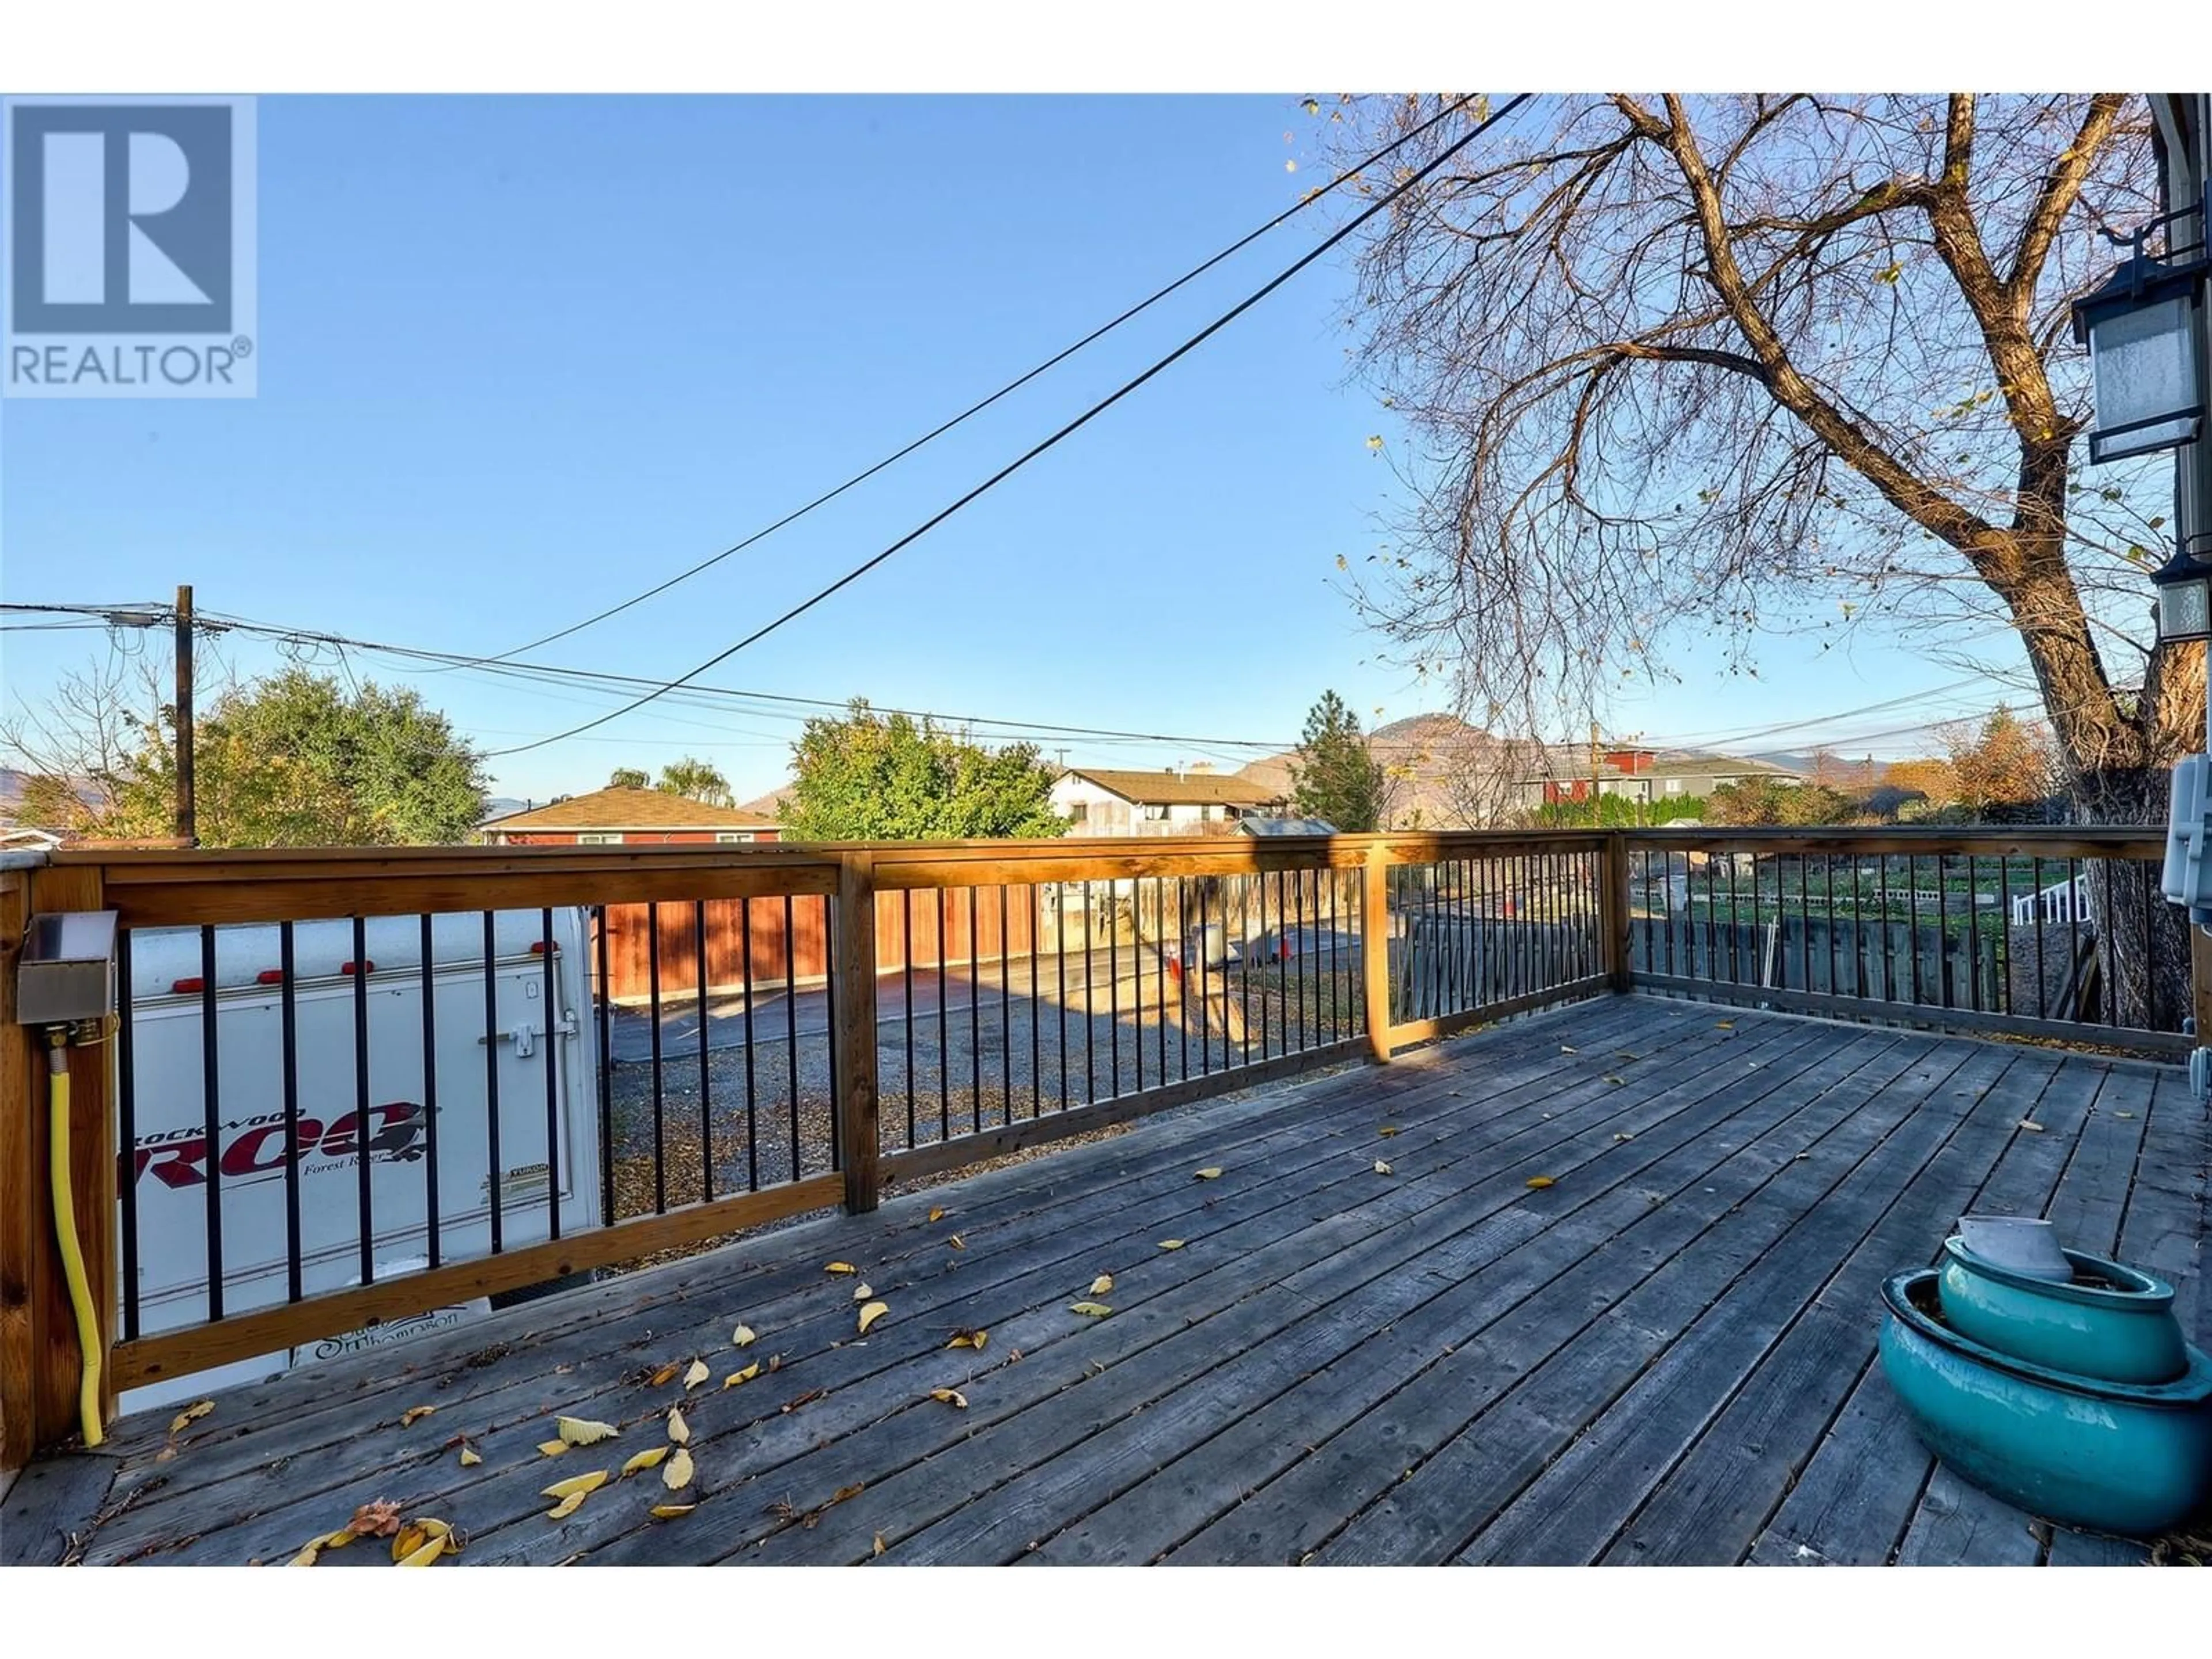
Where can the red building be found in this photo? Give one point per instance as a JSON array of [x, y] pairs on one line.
[[626, 818]]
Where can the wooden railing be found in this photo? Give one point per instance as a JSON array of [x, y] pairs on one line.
[[351, 1087]]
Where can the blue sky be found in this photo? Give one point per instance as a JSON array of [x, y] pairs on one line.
[[521, 357]]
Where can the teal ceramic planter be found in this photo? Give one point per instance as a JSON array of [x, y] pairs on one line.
[[2109, 1321], [2120, 1457]]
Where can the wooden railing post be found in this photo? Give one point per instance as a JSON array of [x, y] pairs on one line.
[[1613, 910], [2200, 985], [854, 1032], [39, 1357], [1374, 949]]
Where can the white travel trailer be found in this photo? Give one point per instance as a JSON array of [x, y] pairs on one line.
[[416, 1119]]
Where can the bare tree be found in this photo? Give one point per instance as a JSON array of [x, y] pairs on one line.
[[1735, 366], [1762, 364]]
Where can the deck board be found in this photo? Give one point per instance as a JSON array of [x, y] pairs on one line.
[[1665, 1355]]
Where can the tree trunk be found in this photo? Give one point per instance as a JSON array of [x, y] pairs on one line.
[[2143, 942]]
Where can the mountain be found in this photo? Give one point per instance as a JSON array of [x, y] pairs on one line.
[[1443, 771]]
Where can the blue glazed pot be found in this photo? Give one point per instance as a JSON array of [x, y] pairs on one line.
[[2120, 1457], [2120, 1327]]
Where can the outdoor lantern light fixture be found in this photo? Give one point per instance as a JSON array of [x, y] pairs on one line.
[[2141, 329], [2185, 596]]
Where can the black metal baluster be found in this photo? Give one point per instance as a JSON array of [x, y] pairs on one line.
[[906, 1005], [1059, 970], [362, 1134], [939, 907], [431, 1205], [553, 1038], [606, 1023], [752, 1056], [660, 1122], [2002, 987], [1114, 988], [1037, 1008], [1006, 1007], [1160, 966], [126, 1133], [211, 1120], [496, 1172], [1090, 1015], [1205, 1015], [975, 1018], [288, 1029], [836, 966], [1182, 973], [2035, 907], [791, 1016]]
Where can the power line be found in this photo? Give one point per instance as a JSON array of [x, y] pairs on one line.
[[610, 679], [1011, 387], [1089, 414]]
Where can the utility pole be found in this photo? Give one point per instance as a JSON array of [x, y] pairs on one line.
[[1597, 818], [187, 816]]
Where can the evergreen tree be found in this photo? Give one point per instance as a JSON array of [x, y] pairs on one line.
[[1334, 778]]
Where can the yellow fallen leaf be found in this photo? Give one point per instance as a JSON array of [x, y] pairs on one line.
[[880, 1546], [679, 1429], [2122, 1114], [1540, 1181], [735, 1378], [340, 1538], [471, 1458], [552, 1448], [974, 1339], [670, 1511], [1381, 1168], [1103, 1284], [1388, 1130], [862, 1292], [951, 1397], [842, 1267], [584, 1430], [870, 1314], [409, 1539], [677, 1475], [1565, 1049], [414, 1414], [305, 1558], [1723, 1025], [576, 1483], [1618, 1082], [665, 1376], [696, 1375], [1090, 1310], [425, 1554], [1171, 1243], [567, 1506], [743, 1336], [845, 1494], [645, 1460], [190, 1414], [1209, 1174], [936, 1215], [956, 1242], [434, 1528], [2030, 1123]]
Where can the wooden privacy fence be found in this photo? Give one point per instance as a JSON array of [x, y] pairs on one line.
[[349, 1087]]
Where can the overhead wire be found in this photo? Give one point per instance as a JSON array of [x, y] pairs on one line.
[[794, 612], [1007, 389]]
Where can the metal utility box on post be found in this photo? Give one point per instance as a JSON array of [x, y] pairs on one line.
[[67, 973]]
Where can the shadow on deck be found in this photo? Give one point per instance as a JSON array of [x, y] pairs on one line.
[[1664, 1356]]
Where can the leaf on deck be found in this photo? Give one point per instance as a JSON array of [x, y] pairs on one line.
[[677, 1475], [871, 1313], [576, 1483], [584, 1430], [951, 1397], [1090, 1310], [414, 1414], [1212, 1174], [1103, 1284], [645, 1460], [737, 1378], [679, 1429], [1540, 1181], [696, 1375], [743, 1337]]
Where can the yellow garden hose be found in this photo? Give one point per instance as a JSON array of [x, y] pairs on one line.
[[64, 1200]]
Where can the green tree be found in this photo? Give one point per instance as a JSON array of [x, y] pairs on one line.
[[696, 780], [1335, 778], [1767, 800], [629, 777], [866, 777], [293, 759]]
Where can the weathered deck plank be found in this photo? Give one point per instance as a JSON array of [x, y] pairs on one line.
[[1664, 1355]]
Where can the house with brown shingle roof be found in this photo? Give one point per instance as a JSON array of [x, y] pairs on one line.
[[626, 818], [1178, 801]]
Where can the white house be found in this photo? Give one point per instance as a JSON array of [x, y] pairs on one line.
[[1099, 801]]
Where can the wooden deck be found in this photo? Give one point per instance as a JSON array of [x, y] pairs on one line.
[[1664, 1356]]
